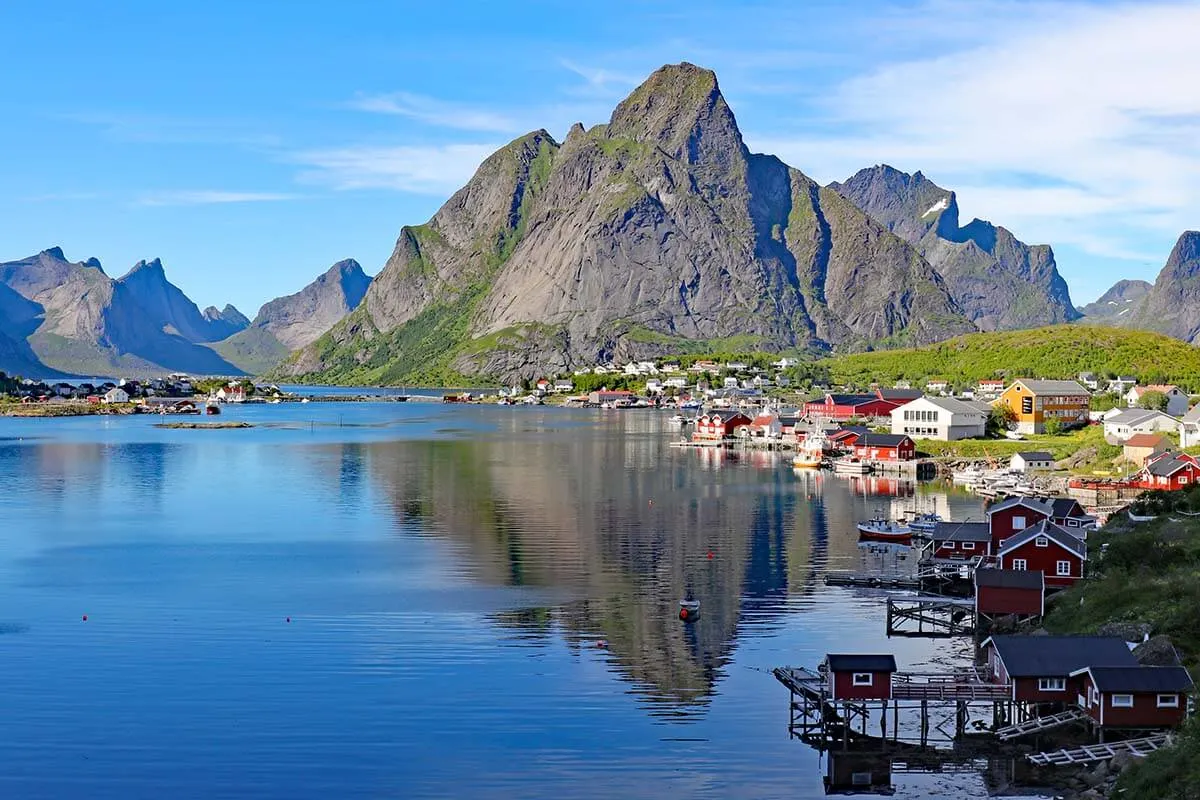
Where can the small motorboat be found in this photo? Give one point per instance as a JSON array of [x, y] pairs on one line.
[[885, 530], [924, 523], [212, 407], [689, 610], [807, 458], [678, 420]]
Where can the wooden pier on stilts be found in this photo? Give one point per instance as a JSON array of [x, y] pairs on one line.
[[930, 615]]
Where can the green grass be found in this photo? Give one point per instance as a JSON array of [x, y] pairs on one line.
[[1100, 454], [1149, 573], [1058, 351], [255, 351]]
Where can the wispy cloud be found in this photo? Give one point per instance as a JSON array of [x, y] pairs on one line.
[[1070, 123], [197, 197], [433, 111], [434, 169], [134, 126], [600, 81]]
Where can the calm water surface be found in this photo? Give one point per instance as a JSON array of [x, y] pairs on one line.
[[482, 603]]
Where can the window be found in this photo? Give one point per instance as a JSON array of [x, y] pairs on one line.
[[1183, 478], [1019, 563], [1026, 405], [949, 545], [1042, 541], [1168, 701], [1019, 524], [1052, 684], [862, 679], [968, 545], [1063, 568], [1122, 701]]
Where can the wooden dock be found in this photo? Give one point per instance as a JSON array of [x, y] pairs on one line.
[[1099, 752], [873, 580], [1039, 724], [961, 686], [930, 616]]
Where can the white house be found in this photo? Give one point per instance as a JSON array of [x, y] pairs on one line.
[[1120, 424], [116, 395], [1031, 460], [942, 418], [733, 383], [1189, 428], [563, 385], [785, 363], [1121, 384], [936, 385], [676, 382], [1177, 401], [1089, 380], [654, 386]]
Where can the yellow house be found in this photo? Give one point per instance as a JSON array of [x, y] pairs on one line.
[[1034, 402]]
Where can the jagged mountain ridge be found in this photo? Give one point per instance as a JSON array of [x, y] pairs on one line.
[[654, 231], [296, 320], [73, 318], [1172, 306], [162, 300], [1000, 282], [1116, 304]]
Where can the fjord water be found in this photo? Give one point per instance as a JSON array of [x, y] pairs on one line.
[[407, 600]]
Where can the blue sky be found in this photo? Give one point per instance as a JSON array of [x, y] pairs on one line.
[[252, 145]]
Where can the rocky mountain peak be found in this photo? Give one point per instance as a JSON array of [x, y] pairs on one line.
[[54, 252], [1184, 260], [152, 268], [94, 263], [680, 109]]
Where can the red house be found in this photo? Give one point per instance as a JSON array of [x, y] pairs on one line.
[[717, 425], [859, 677], [960, 541], [845, 437], [844, 406], [1040, 667], [1134, 697], [1169, 471], [885, 447], [1001, 592], [1046, 548], [1014, 515]]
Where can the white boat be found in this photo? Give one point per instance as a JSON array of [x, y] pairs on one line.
[[689, 610], [924, 523], [850, 466], [678, 420], [808, 458]]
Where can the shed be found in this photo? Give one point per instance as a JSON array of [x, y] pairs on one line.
[[961, 540], [1000, 592], [885, 447], [1040, 667], [860, 676], [1141, 447], [1138, 696], [1031, 460]]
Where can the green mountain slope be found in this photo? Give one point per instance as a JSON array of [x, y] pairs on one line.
[[1058, 351]]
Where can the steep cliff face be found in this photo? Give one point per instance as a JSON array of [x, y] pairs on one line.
[[289, 323], [159, 299], [999, 282], [655, 231], [75, 319], [1118, 304], [1172, 306]]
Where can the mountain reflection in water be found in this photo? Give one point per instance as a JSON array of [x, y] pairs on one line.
[[504, 580]]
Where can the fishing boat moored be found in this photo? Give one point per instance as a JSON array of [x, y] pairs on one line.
[[885, 530]]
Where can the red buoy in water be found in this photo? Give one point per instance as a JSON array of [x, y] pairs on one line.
[[683, 613], [710, 554]]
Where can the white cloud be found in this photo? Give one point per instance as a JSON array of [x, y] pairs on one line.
[[434, 112], [436, 169], [1067, 123], [209, 197]]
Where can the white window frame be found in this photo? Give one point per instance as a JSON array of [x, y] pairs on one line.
[[1167, 701], [968, 545], [1052, 684], [856, 679], [949, 545], [1183, 479], [1018, 524], [1020, 563], [1041, 541], [1126, 701], [1062, 569]]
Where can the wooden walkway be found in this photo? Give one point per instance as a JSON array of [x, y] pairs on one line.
[[1099, 752], [959, 686], [930, 615], [872, 580], [1040, 724]]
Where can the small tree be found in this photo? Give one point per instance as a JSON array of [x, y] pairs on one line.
[[1000, 419], [1155, 401], [1053, 427]]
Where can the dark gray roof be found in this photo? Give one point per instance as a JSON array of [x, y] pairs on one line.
[[725, 416], [1057, 656], [843, 662], [1030, 502], [900, 394], [961, 532], [849, 399], [1064, 506], [1054, 533], [1010, 578], [1053, 387], [1165, 467], [1141, 678], [880, 439], [1036, 455]]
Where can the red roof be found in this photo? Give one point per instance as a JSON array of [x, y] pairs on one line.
[[1144, 440]]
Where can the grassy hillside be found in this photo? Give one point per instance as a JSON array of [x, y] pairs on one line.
[[1058, 351], [255, 351]]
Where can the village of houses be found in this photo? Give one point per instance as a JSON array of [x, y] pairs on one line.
[[174, 394]]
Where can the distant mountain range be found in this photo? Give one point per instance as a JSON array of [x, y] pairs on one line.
[[60, 318], [658, 232]]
